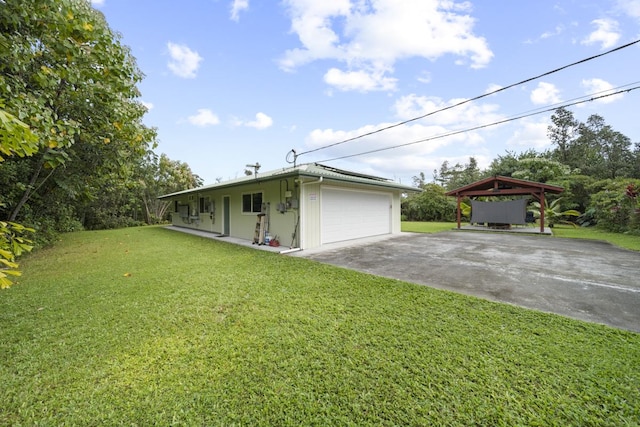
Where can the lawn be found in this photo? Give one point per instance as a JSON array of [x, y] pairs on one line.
[[147, 326]]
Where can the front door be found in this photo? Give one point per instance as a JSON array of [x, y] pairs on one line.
[[225, 216]]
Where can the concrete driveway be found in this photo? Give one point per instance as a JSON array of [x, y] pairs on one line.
[[587, 280]]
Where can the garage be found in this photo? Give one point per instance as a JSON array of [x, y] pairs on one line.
[[348, 214]]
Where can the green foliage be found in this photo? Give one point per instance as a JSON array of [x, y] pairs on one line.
[[66, 75], [15, 139], [617, 205], [145, 326], [430, 205], [427, 227], [12, 245], [539, 169], [452, 177], [160, 175], [577, 191], [510, 163], [15, 136], [554, 213]]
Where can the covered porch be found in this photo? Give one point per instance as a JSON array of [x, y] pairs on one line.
[[498, 186]]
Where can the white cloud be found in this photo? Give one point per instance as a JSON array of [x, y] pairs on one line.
[[184, 61], [238, 6], [148, 105], [419, 142], [362, 81], [464, 116], [630, 7], [545, 93], [530, 134], [600, 87], [262, 121], [369, 37], [205, 117], [549, 34], [97, 3], [606, 33], [492, 88], [424, 77]]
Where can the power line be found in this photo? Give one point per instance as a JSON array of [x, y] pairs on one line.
[[467, 100], [457, 132]]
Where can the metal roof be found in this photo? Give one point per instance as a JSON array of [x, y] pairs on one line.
[[503, 185], [312, 170]]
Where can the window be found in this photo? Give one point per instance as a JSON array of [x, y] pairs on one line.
[[175, 206], [205, 204], [252, 203]]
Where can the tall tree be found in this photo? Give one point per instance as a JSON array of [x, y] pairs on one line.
[[563, 134], [510, 163], [66, 75], [607, 152], [451, 177], [160, 175]]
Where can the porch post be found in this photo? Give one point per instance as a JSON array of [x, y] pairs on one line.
[[459, 211], [542, 207]]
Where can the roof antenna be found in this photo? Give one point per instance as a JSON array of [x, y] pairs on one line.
[[255, 167], [295, 157]]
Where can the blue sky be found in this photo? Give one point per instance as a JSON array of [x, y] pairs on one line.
[[234, 82]]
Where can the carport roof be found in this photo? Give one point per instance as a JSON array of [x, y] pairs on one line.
[[310, 170], [504, 186]]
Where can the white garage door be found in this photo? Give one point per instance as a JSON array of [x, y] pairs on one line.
[[350, 215]]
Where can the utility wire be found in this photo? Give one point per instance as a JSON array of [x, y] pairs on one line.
[[470, 99], [457, 132]]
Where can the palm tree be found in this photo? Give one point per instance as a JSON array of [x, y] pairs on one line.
[[553, 214]]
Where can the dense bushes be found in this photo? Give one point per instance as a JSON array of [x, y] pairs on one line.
[[430, 205], [616, 205]]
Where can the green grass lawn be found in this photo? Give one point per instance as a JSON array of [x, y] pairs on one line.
[[147, 326], [626, 241]]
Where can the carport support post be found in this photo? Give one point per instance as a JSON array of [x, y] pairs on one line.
[[458, 212], [542, 211]]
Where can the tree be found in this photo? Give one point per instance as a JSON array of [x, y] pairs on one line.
[[430, 205], [635, 162], [539, 169], [529, 165], [554, 213], [563, 134], [67, 76], [617, 205], [161, 175], [458, 176], [615, 157], [419, 180], [15, 139]]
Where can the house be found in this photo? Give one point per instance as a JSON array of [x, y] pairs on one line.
[[304, 206]]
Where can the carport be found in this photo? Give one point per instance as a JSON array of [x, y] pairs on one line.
[[497, 186]]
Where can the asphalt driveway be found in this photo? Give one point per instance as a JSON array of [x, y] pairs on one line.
[[587, 280]]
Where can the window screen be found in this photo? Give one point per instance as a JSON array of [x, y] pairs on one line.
[[252, 203]]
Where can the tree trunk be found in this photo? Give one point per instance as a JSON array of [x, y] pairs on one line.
[[29, 190]]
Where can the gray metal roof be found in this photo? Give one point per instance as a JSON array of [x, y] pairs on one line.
[[313, 170]]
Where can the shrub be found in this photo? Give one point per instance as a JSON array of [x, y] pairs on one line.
[[617, 205]]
